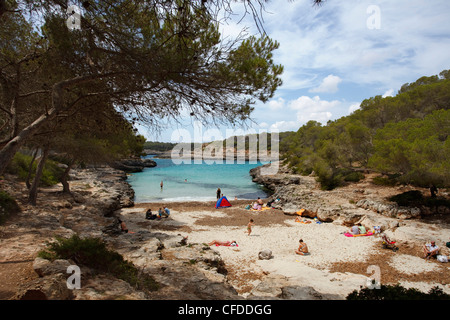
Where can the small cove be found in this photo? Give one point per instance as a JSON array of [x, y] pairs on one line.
[[191, 181]]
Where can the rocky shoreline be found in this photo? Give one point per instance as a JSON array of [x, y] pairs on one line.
[[133, 165], [361, 202], [294, 191]]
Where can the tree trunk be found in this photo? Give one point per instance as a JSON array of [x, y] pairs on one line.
[[66, 187], [37, 178], [27, 181], [10, 149]]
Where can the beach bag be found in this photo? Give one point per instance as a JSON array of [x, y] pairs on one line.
[[442, 258]]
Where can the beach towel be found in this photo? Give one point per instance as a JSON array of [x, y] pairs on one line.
[[262, 209], [348, 234]]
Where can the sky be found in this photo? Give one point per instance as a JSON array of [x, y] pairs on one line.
[[334, 57]]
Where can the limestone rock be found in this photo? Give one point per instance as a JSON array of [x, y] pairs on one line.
[[50, 287], [265, 254], [45, 267], [305, 293]]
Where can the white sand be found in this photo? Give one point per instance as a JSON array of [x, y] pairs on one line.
[[325, 241], [412, 265]]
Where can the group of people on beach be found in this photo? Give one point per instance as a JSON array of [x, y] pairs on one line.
[[358, 229], [149, 215], [302, 248], [258, 204]]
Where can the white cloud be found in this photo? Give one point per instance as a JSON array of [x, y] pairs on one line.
[[276, 104], [389, 93], [285, 126], [328, 85], [315, 104], [354, 107], [321, 117], [313, 109]]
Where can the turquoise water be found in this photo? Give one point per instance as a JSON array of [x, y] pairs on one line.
[[194, 182]]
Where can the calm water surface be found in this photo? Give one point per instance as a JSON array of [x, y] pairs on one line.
[[194, 182]]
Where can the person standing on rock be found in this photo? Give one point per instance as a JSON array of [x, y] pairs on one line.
[[433, 191]]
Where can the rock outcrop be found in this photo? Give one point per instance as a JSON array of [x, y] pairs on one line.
[[133, 165], [348, 205]]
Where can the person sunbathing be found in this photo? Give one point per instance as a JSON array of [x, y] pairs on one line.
[[223, 243], [256, 206]]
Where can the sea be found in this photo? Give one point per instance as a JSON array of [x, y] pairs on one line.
[[191, 181]]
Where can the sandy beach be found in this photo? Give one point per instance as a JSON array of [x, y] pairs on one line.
[[336, 266]]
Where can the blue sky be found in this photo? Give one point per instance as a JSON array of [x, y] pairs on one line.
[[339, 54]]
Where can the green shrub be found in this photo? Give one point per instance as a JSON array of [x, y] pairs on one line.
[[354, 176], [397, 292], [415, 198], [327, 176], [408, 198], [21, 162], [8, 206], [93, 253], [436, 202], [384, 181]]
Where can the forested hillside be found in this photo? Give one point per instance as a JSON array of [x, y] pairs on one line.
[[404, 137]]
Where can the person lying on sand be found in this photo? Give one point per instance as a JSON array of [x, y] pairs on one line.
[[302, 249], [302, 220], [223, 243], [256, 206]]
